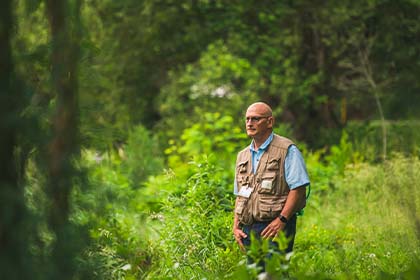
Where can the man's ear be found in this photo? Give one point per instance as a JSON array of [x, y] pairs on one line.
[[271, 122]]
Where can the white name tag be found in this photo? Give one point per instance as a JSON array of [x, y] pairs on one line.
[[267, 184], [245, 191]]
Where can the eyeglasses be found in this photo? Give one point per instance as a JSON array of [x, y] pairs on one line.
[[254, 119]]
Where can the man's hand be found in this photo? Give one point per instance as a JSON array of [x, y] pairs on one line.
[[273, 228], [239, 234]]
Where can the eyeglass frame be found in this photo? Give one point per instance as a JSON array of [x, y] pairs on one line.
[[255, 119]]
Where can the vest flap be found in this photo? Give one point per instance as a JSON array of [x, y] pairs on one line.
[[242, 166], [268, 176], [273, 164], [244, 162]]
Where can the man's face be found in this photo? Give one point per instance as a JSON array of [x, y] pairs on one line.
[[258, 123]]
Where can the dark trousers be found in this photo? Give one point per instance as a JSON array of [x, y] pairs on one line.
[[256, 229]]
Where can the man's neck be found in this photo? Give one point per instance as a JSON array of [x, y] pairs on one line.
[[260, 140]]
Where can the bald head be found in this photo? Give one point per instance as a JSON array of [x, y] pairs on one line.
[[262, 108]]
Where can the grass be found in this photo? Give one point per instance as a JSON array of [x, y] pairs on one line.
[[365, 226]]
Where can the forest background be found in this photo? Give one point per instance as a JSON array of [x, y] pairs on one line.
[[121, 120]]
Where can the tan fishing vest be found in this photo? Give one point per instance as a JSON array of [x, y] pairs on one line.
[[269, 189]]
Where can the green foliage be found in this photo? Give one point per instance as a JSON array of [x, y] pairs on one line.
[[276, 263], [343, 154], [214, 134], [143, 156], [194, 227], [366, 225], [146, 62], [218, 82], [215, 137], [402, 137], [108, 207]]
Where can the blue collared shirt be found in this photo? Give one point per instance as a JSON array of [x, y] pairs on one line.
[[295, 171], [257, 154]]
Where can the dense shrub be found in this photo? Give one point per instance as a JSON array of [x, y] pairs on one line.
[[194, 228], [107, 205]]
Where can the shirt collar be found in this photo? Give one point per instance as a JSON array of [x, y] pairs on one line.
[[264, 145]]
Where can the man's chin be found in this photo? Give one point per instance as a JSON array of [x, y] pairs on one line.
[[250, 133]]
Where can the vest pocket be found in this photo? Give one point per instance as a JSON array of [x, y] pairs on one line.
[[241, 209], [267, 183], [240, 205], [243, 167], [269, 207], [273, 164], [242, 180]]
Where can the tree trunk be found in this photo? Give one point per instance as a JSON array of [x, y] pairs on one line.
[[64, 147], [12, 237], [367, 71]]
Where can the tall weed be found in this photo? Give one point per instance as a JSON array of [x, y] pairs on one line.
[[365, 226]]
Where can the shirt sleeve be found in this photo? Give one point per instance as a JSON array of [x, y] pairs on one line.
[[235, 187], [295, 169]]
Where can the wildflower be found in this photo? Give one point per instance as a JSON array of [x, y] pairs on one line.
[[263, 276], [288, 256]]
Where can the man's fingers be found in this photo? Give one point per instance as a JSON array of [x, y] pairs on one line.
[[239, 241], [269, 233], [266, 231], [271, 230], [241, 245], [240, 234]]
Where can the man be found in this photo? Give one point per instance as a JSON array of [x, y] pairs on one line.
[[270, 182]]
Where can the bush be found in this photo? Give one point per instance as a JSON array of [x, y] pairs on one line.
[[214, 134], [143, 156], [195, 228], [107, 205]]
